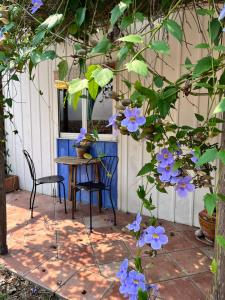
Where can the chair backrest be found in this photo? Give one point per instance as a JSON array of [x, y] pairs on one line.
[[30, 164], [107, 166]]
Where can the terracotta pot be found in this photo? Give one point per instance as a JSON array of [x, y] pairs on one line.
[[82, 150], [208, 225], [11, 183]]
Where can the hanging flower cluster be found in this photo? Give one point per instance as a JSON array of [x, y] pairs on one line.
[[36, 4]]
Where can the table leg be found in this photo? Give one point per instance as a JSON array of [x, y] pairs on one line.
[[97, 176]]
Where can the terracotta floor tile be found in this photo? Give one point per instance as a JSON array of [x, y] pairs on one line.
[[179, 289], [105, 234], [160, 268], [87, 284], [203, 281], [208, 251], [99, 221], [109, 270], [113, 293], [110, 251], [191, 261], [178, 242], [51, 274]]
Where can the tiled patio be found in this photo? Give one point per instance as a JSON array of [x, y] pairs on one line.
[[59, 254]]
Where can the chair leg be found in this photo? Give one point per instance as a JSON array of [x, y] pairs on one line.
[[59, 185], [100, 201], [64, 193], [34, 195], [31, 195], [90, 195], [114, 213], [74, 201]]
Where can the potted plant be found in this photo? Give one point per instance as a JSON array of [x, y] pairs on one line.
[[83, 143], [11, 181]]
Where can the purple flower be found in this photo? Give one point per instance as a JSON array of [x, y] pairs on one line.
[[223, 30], [153, 288], [113, 122], [194, 158], [36, 5], [179, 151], [222, 14], [133, 119], [135, 225], [167, 172], [132, 284], [165, 158], [81, 136], [1, 33], [122, 274], [154, 236], [184, 186]]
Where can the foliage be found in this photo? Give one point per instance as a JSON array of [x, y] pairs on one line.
[[180, 156]]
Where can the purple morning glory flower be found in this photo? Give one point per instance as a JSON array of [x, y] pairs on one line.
[[122, 274], [132, 284], [135, 225], [1, 33], [179, 151], [81, 136], [113, 122], [165, 158], [223, 30], [222, 14], [133, 119], [194, 158], [167, 172], [36, 5], [154, 236], [184, 186]]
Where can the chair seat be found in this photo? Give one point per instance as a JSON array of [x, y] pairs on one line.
[[91, 186], [50, 179]]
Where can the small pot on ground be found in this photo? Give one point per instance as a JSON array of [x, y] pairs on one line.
[[11, 183], [207, 225]]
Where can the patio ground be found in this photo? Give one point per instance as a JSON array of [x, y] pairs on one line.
[[58, 253]]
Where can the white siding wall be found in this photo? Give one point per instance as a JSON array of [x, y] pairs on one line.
[[36, 118]]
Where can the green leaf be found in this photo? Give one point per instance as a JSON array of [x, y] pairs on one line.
[[199, 117], [102, 47], [137, 262], [51, 22], [138, 66], [142, 295], [188, 64], [208, 156], [160, 46], [214, 29], [221, 156], [92, 85], [103, 77], [37, 57], [63, 69], [122, 54], [80, 16], [38, 37], [132, 38], [145, 169], [219, 48], [126, 21], [139, 16], [221, 241], [174, 28], [15, 77], [220, 107], [210, 203], [158, 81], [118, 11], [141, 192], [203, 65], [74, 99], [77, 85], [50, 54], [205, 12], [202, 46], [214, 266]]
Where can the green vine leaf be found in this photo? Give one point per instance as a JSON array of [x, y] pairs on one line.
[[214, 29], [161, 47], [51, 22], [220, 107], [80, 16], [147, 168], [73, 99], [208, 156], [102, 47], [126, 21], [203, 65], [221, 241], [92, 84], [77, 85], [132, 38], [63, 69], [210, 203], [138, 66], [202, 46], [221, 156], [103, 77], [174, 28], [205, 12], [214, 266], [118, 11]]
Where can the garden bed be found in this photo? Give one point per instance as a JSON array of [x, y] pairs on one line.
[[14, 287]]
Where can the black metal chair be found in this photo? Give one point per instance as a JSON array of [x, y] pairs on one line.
[[97, 182], [49, 179]]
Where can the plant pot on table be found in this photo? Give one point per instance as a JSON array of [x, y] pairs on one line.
[[82, 150]]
